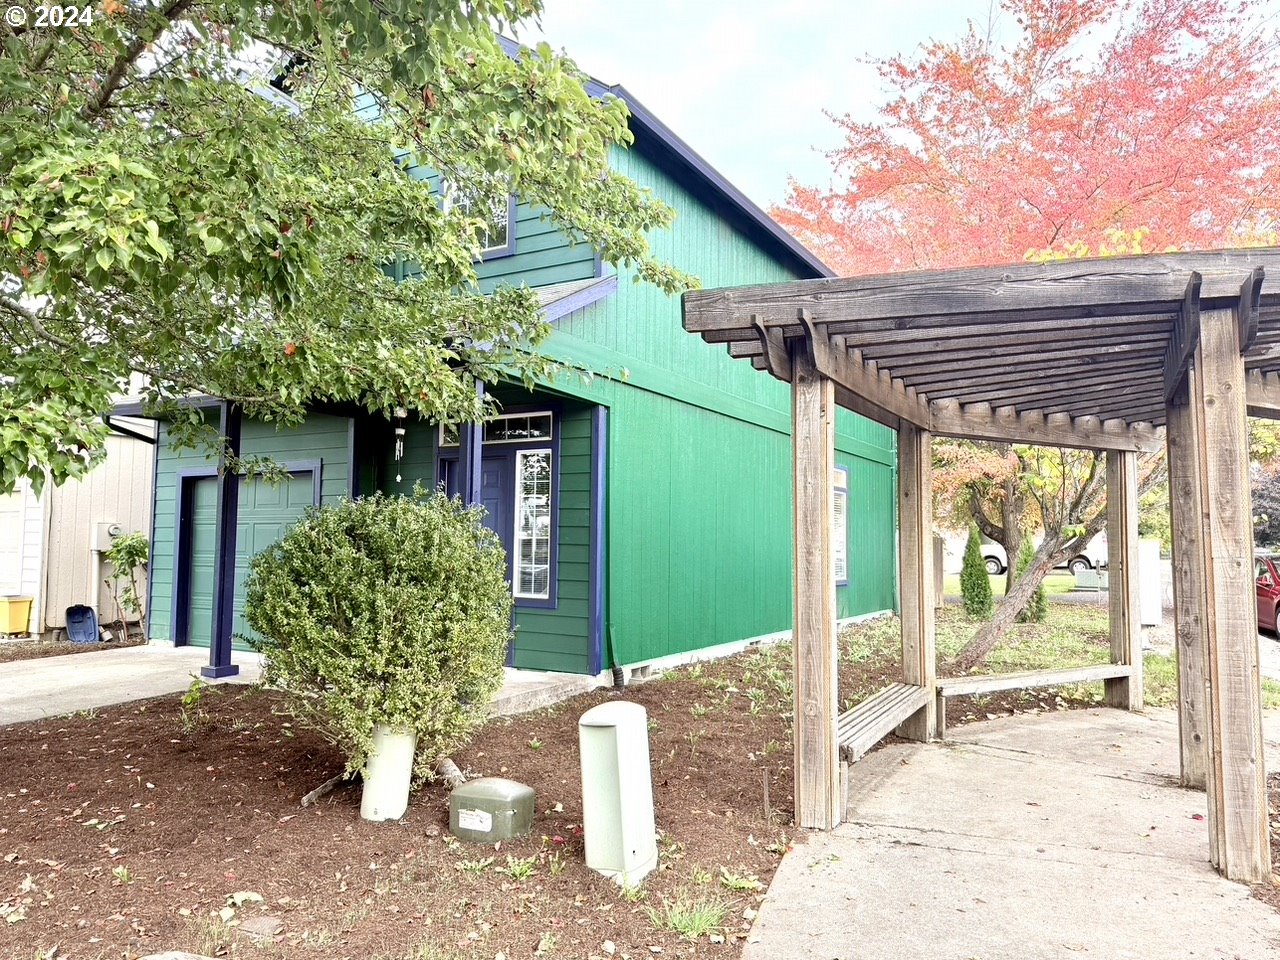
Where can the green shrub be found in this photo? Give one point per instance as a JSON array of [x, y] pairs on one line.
[[975, 585], [384, 610], [1038, 606]]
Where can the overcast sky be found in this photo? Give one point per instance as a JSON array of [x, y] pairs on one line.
[[745, 82]]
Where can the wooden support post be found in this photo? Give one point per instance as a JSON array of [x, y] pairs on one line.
[[1235, 779], [1122, 572], [817, 769], [915, 572], [1187, 512]]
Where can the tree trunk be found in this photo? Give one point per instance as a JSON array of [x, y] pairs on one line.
[[1011, 519], [1052, 551]]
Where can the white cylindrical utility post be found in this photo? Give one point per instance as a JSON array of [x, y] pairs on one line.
[[617, 792]]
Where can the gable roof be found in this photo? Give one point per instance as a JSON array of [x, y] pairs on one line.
[[661, 144]]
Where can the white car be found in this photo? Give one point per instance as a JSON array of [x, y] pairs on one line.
[[1093, 556]]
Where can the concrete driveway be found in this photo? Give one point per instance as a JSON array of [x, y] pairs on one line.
[[1061, 835], [32, 689]]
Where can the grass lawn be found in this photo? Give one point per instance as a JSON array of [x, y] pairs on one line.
[[1055, 583], [1072, 635]]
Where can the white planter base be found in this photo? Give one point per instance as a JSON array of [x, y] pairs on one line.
[[388, 774]]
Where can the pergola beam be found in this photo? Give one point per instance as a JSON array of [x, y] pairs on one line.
[[1132, 284], [981, 422], [1262, 393], [1184, 337]]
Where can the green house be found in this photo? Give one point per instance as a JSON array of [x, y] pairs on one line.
[[639, 505]]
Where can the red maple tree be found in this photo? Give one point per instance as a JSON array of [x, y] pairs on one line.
[[1104, 118]]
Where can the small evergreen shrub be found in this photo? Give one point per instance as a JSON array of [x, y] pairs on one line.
[[1038, 606], [384, 610], [975, 586]]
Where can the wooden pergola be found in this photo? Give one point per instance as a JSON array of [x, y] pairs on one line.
[[1124, 355]]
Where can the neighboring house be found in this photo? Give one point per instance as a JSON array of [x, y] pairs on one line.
[[639, 506], [50, 544]]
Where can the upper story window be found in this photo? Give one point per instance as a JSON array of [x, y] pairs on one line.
[[497, 238]]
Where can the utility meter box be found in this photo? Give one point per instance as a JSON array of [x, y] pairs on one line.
[[617, 792], [490, 809]]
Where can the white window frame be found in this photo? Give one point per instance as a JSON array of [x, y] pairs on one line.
[[840, 525], [551, 429], [516, 539], [452, 195]]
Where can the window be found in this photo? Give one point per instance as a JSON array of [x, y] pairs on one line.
[[507, 428], [531, 562], [840, 525], [496, 236]]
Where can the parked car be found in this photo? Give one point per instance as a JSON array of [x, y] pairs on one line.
[[1093, 556], [1267, 574]]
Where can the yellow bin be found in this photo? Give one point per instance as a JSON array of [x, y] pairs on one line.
[[15, 614]]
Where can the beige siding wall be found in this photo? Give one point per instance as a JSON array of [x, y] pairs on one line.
[[117, 491], [21, 536]]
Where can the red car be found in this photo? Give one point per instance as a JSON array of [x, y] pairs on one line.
[[1267, 572]]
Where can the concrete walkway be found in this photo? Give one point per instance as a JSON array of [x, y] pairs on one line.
[[1061, 835], [33, 689]]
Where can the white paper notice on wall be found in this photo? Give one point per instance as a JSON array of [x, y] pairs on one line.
[[475, 820]]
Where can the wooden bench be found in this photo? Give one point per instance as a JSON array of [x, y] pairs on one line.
[[968, 686], [861, 728]]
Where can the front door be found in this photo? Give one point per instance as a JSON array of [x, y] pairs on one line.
[[496, 486]]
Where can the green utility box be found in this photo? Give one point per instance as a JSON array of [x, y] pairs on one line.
[[491, 809]]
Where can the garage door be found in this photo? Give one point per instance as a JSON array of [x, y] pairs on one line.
[[266, 512]]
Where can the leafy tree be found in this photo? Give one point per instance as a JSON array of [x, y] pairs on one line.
[[975, 585], [202, 196], [1037, 607], [982, 153], [1055, 147]]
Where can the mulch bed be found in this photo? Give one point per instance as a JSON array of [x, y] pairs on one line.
[[124, 835], [11, 650]]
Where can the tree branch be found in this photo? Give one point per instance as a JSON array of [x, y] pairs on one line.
[[150, 31]]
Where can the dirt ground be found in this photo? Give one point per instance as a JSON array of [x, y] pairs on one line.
[[34, 649], [152, 826]]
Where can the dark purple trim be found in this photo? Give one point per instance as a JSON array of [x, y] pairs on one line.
[[470, 457], [599, 507], [553, 585], [224, 552], [559, 309]]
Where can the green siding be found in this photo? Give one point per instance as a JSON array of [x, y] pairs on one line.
[[699, 465], [321, 437], [560, 639], [543, 253]]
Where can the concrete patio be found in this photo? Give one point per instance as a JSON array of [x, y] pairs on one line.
[[33, 689], [1049, 836]]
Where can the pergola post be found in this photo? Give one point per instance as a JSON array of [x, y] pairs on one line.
[[1235, 775], [817, 770], [1187, 512], [1122, 574], [915, 567]]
